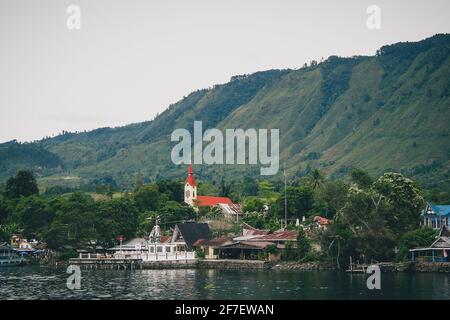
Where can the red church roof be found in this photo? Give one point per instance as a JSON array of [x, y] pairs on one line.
[[190, 178], [207, 201]]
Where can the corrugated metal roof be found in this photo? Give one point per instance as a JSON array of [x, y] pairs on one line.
[[248, 244], [216, 242], [440, 210], [287, 235]]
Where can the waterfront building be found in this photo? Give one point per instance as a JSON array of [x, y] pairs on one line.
[[211, 248], [146, 250], [15, 240], [9, 256], [157, 247], [24, 247], [250, 245], [438, 251], [435, 216], [186, 234]]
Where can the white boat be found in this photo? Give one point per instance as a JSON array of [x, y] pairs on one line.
[[9, 256]]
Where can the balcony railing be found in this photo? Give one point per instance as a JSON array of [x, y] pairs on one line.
[[160, 256]]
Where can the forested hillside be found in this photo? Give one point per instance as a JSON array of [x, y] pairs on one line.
[[385, 112]]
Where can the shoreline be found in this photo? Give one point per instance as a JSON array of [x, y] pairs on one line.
[[386, 267]]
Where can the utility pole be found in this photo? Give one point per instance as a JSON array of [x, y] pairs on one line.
[[285, 200], [237, 213]]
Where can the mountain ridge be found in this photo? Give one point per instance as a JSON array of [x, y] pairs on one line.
[[384, 112]]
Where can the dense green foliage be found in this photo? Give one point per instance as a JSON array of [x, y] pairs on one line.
[[372, 219], [15, 156], [383, 113], [23, 184], [421, 237], [77, 220]]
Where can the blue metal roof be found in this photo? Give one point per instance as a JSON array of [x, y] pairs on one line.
[[440, 210]]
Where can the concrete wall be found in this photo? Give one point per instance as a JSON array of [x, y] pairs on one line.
[[177, 264], [233, 264]]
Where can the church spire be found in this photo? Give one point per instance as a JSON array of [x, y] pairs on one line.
[[190, 178]]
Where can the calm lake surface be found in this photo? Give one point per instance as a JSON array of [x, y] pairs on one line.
[[33, 282]]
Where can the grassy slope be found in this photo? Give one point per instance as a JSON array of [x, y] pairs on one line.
[[384, 112]]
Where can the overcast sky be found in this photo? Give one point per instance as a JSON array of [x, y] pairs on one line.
[[131, 58]]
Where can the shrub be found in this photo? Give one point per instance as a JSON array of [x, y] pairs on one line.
[[67, 254]]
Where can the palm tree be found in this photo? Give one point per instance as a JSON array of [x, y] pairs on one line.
[[316, 179]]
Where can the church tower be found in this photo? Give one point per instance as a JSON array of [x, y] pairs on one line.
[[190, 188]]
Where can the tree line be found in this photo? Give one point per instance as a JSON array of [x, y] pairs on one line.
[[75, 219], [373, 219]]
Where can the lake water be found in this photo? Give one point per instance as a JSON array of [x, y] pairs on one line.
[[33, 282]]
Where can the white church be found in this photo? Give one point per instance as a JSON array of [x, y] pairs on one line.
[[192, 198]]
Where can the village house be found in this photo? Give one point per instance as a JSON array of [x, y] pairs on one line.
[[191, 197], [435, 216], [320, 223], [438, 251], [15, 240], [25, 247], [211, 248], [186, 234], [249, 246]]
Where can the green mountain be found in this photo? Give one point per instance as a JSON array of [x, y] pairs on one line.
[[385, 112]]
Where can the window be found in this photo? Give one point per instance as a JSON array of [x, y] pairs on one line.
[[168, 249], [159, 249], [152, 249], [188, 194]]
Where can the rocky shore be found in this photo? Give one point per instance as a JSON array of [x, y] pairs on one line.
[[432, 267], [306, 266], [411, 267]]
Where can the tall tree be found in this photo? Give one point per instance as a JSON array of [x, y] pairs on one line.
[[299, 202], [331, 198], [316, 179], [361, 178], [405, 200], [34, 215], [23, 184], [149, 197], [139, 182]]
